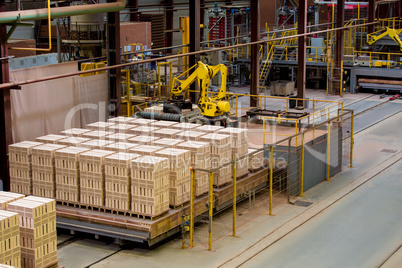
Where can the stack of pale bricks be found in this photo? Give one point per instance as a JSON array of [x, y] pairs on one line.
[[239, 148], [77, 173], [28, 236]]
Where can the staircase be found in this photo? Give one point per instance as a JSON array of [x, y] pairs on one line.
[[276, 53]]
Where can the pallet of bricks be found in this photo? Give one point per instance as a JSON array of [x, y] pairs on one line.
[[67, 173], [149, 186], [43, 170], [179, 175], [20, 159], [239, 148], [118, 180], [220, 154], [10, 248], [38, 234], [92, 177], [200, 158]]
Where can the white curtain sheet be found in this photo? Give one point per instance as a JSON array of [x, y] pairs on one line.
[[48, 107]]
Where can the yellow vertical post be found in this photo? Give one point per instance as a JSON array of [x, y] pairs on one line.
[[159, 82], [328, 150], [210, 206], [234, 198], [263, 131], [236, 105], [302, 168], [271, 176], [192, 197], [351, 138], [265, 98]]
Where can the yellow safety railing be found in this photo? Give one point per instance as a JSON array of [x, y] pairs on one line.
[[170, 85], [85, 66]]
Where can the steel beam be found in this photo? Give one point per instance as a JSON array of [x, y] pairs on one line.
[[301, 53], [255, 56], [5, 108], [194, 46], [371, 15], [113, 25], [169, 6], [133, 7], [340, 21], [202, 18]]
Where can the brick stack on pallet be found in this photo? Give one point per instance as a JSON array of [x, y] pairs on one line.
[[166, 133], [123, 147], [164, 124], [72, 141], [119, 137], [256, 159], [238, 139], [97, 134], [51, 138], [208, 128], [179, 175], [120, 120], [102, 126], [68, 174], [220, 154], [142, 130], [8, 197], [141, 121], [121, 128], [143, 140], [146, 150], [200, 158], [92, 177], [167, 143], [10, 248], [117, 180], [185, 126], [20, 159], [96, 144], [150, 186], [190, 135], [43, 170], [75, 132], [37, 231]]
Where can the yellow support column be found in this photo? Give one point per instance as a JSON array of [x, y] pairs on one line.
[[328, 150], [234, 198], [159, 82], [271, 176], [302, 168], [192, 197], [210, 207]]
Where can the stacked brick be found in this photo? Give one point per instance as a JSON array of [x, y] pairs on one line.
[[166, 133], [119, 120], [146, 149], [239, 145], [51, 138], [68, 174], [20, 159], [10, 249], [142, 121], [208, 128], [38, 235], [256, 159], [92, 177], [185, 126], [97, 134], [150, 185], [102, 126], [96, 144], [164, 124], [119, 137], [142, 130], [121, 128], [73, 141], [8, 197], [75, 132], [43, 170], [118, 181], [123, 147], [220, 154], [200, 158], [143, 139], [179, 175], [168, 143], [190, 135]]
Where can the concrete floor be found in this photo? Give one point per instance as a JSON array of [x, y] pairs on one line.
[[357, 220]]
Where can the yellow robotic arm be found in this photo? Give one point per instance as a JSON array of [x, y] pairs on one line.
[[393, 33], [211, 104]]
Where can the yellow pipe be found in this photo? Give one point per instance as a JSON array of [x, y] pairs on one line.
[[234, 198], [211, 196], [271, 177], [192, 197], [50, 35], [302, 168], [328, 150]]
